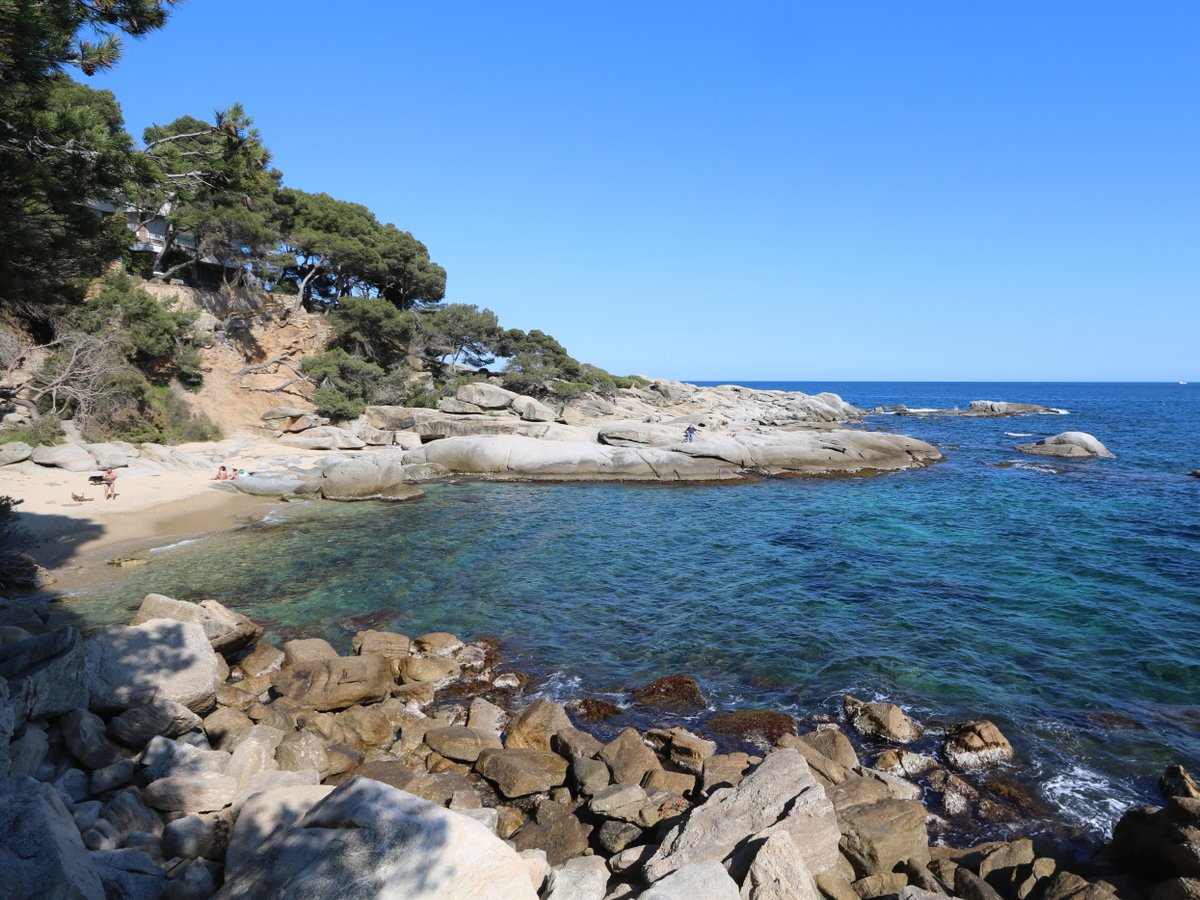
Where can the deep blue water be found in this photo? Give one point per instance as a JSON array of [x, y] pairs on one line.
[[1060, 599]]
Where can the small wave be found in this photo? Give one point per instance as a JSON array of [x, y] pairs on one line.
[[1086, 798], [1018, 434], [174, 546], [1035, 467], [560, 687]]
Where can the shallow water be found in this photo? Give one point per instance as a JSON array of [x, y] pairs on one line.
[[1060, 599]]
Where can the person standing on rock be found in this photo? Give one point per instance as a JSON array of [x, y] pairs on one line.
[[110, 484], [689, 433]]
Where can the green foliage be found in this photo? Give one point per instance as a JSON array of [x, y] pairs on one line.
[[61, 143], [373, 329], [11, 536], [462, 331], [333, 249], [215, 180], [345, 383], [155, 338], [151, 413], [46, 431]]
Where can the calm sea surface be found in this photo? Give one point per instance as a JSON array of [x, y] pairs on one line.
[[1060, 599]]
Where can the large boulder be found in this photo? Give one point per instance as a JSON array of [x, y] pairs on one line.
[[194, 792], [108, 456], [521, 772], [367, 839], [368, 478], [881, 719], [778, 872], [973, 745], [1070, 445], [485, 396], [327, 684], [131, 665], [532, 410], [265, 815], [227, 631], [781, 792], [695, 881], [536, 724], [880, 835], [14, 452], [270, 484], [41, 852], [716, 457], [71, 457], [138, 726], [325, 437], [45, 674]]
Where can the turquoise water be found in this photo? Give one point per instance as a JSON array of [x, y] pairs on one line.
[[1060, 599]]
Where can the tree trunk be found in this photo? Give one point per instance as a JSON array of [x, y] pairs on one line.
[[168, 242], [304, 283]]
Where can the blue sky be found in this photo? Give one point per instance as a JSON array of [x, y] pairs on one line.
[[769, 190]]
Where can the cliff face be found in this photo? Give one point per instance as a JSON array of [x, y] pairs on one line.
[[247, 328]]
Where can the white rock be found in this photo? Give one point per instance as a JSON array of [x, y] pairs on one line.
[[581, 878], [367, 839], [130, 666], [696, 881]]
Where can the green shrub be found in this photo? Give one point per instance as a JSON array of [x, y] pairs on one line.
[[155, 338], [46, 431], [151, 413], [345, 383]]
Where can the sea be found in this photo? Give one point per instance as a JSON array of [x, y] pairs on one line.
[[1059, 599]]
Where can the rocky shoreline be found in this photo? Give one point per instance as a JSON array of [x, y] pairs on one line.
[[185, 756]]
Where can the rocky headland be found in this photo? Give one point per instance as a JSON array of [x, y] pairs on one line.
[[978, 409], [184, 756], [668, 431]]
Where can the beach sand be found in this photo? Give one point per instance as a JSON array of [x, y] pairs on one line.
[[155, 505]]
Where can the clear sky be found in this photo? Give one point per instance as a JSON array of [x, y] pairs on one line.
[[761, 190]]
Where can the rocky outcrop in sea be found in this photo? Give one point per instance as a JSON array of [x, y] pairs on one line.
[[669, 431], [184, 756]]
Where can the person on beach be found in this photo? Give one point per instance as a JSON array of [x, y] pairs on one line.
[[689, 433], [110, 484], [222, 474]]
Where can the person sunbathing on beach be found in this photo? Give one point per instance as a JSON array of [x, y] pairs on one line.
[[110, 484], [222, 474]]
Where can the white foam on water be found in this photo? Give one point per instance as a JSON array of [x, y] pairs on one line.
[[1018, 434], [174, 546], [1086, 798], [1036, 467], [560, 687]]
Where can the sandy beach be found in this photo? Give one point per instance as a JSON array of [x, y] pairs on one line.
[[155, 504]]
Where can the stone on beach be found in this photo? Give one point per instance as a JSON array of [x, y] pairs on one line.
[[327, 684], [45, 674], [41, 852], [366, 839], [226, 630], [781, 791], [130, 666], [135, 727]]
